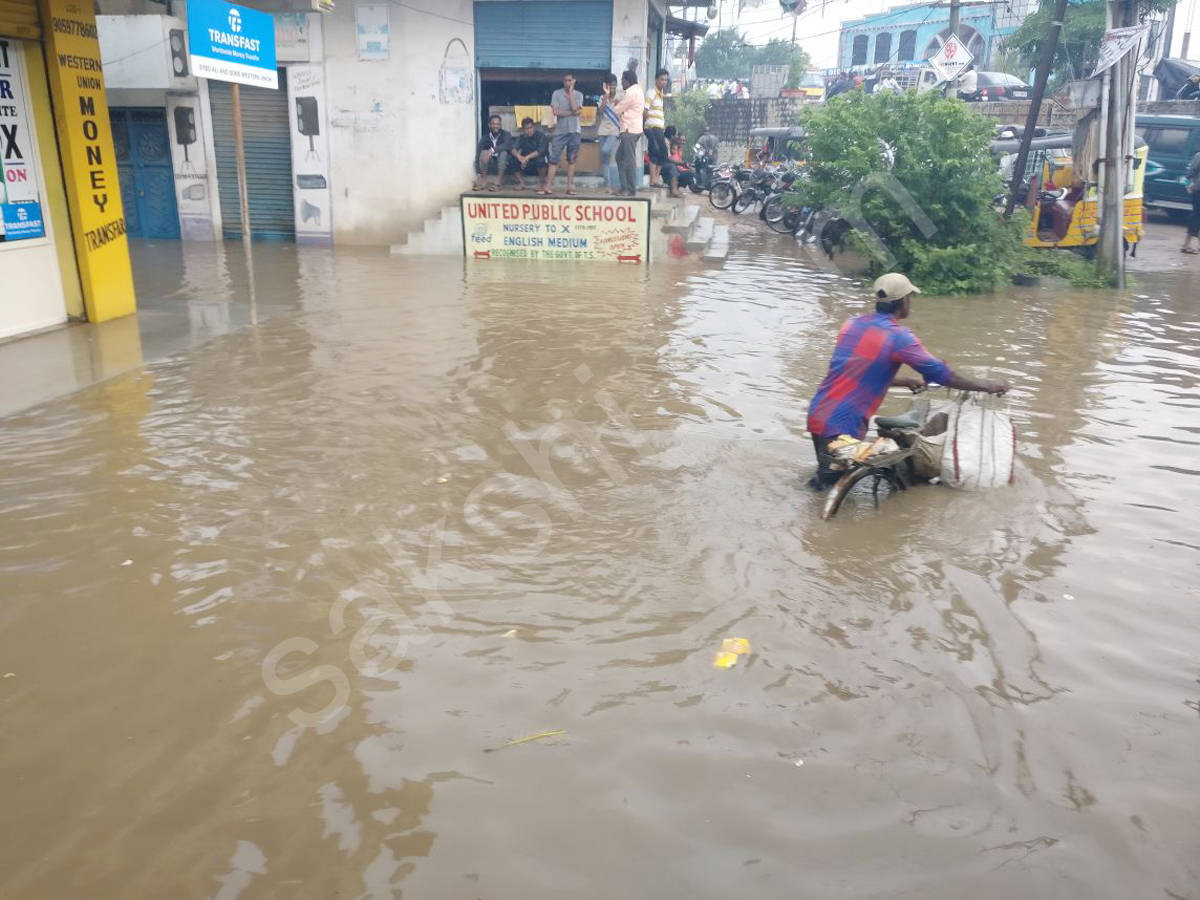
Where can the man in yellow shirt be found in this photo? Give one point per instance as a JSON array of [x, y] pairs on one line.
[[656, 122]]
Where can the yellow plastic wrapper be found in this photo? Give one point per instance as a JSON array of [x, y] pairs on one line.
[[731, 649]]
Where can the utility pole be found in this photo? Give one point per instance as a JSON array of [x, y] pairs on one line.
[[1110, 251], [1035, 103], [955, 13]]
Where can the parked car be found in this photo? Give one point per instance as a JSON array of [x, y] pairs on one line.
[[1173, 141], [999, 86]]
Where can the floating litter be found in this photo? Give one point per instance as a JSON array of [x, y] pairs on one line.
[[442, 479], [526, 739], [512, 632], [731, 649], [1068, 596]]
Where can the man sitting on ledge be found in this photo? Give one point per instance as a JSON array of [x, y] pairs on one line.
[[492, 155], [530, 152]]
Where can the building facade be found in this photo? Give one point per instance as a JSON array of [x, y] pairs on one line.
[[373, 127], [63, 251], [914, 33]]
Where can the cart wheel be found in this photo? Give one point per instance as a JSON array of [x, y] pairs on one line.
[[838, 492]]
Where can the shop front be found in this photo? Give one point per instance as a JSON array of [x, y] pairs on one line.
[[34, 294], [522, 50], [63, 251]]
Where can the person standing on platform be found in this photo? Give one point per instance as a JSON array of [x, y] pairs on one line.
[[630, 109], [656, 122], [609, 131], [566, 104]]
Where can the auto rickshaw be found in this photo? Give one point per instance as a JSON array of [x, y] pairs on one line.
[[1063, 209], [768, 146]]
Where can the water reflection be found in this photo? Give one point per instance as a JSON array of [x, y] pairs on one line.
[[990, 694]]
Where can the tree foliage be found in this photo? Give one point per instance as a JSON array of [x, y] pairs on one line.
[[866, 147], [1079, 43], [688, 112], [726, 54]]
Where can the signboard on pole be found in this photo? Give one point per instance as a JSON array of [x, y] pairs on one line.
[[232, 43], [1117, 42], [602, 228], [952, 59]]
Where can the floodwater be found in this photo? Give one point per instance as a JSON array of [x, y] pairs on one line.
[[954, 695]]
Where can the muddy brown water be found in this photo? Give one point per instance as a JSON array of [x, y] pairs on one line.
[[956, 695]]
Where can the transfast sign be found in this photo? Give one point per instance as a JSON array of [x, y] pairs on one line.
[[232, 43]]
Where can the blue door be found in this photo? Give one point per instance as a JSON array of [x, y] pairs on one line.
[[143, 147]]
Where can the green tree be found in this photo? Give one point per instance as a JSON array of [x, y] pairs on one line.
[[1079, 43], [726, 54], [937, 150], [688, 112]]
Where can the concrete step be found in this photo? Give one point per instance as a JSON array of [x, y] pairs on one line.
[[440, 236], [718, 247], [701, 234], [682, 219]]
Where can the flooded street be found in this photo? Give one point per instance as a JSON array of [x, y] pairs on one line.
[[956, 695]]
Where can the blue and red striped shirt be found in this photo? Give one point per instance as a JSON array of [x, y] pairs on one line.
[[870, 350]]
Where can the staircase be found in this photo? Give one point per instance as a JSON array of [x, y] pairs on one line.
[[684, 231], [441, 236]]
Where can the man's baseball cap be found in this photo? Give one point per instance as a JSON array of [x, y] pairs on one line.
[[893, 286]]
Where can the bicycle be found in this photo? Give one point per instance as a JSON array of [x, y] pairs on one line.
[[877, 460]]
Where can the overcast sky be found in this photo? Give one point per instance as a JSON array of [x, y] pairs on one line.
[[817, 28]]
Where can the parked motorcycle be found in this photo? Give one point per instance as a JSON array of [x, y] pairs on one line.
[[727, 185], [760, 186], [704, 165]]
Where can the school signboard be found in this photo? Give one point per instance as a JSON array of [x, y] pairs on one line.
[[232, 43], [616, 229]]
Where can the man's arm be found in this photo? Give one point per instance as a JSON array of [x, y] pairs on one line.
[[560, 111], [936, 371]]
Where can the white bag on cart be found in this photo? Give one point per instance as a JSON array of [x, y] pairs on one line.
[[981, 444]]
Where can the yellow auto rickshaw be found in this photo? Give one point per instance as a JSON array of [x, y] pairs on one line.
[[772, 146], [1063, 208]]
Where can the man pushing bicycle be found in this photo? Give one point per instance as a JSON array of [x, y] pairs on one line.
[[869, 352]]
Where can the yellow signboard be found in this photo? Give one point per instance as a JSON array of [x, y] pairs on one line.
[[574, 228], [89, 163]]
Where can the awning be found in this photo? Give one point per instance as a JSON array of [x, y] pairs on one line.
[[686, 27]]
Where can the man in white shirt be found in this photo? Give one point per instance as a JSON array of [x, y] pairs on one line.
[[968, 84]]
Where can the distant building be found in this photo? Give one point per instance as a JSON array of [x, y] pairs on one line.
[[906, 34]]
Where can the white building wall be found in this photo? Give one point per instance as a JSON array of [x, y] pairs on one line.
[[400, 143]]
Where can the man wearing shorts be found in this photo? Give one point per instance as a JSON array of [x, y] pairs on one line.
[[656, 123], [566, 104]]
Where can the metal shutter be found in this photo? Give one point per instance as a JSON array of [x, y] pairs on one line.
[[543, 34], [268, 160], [20, 19]]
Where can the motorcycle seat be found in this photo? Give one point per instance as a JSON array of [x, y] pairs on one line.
[[911, 419]]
